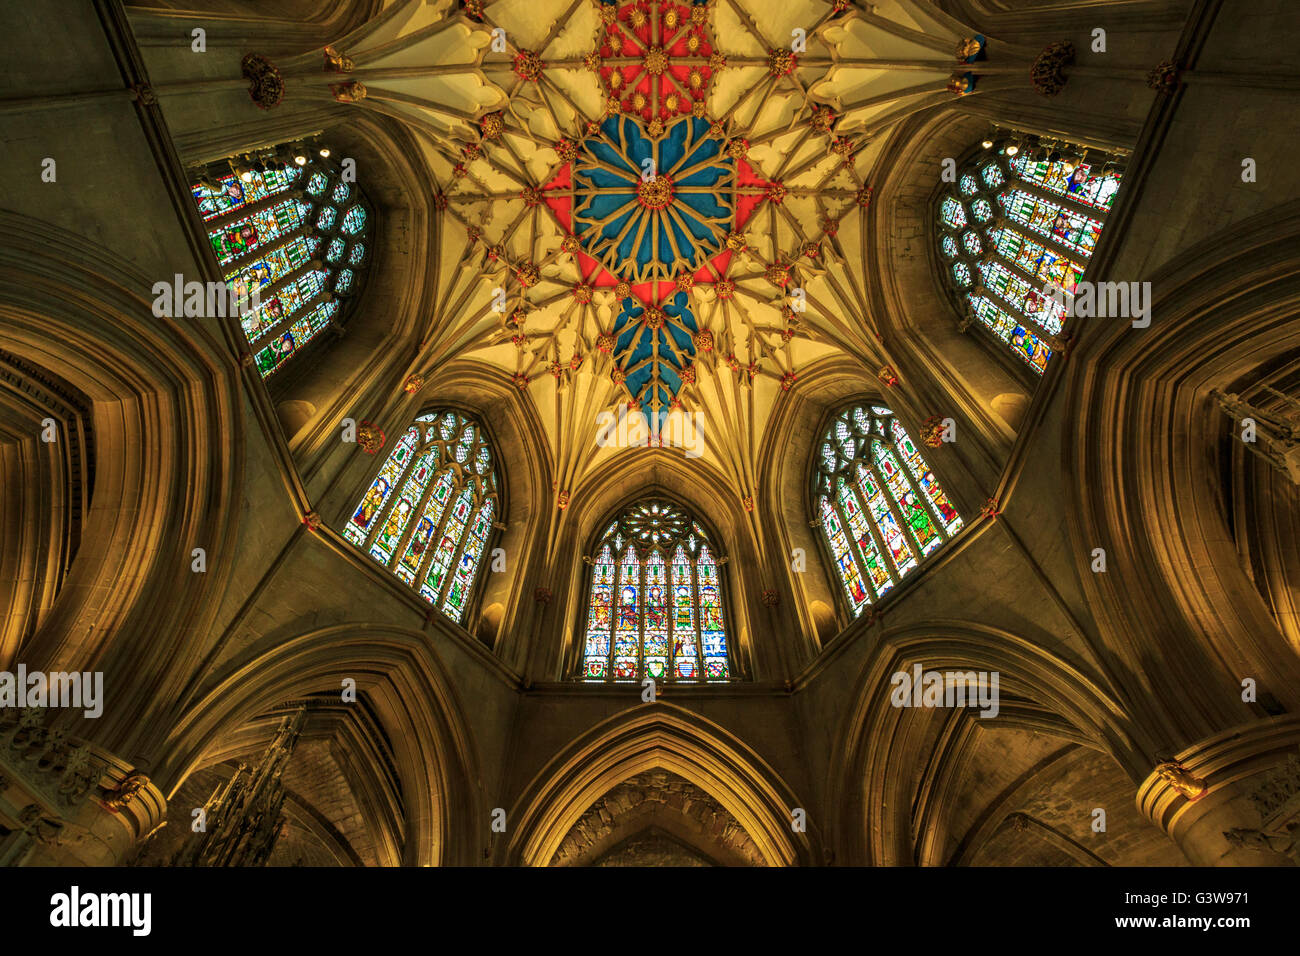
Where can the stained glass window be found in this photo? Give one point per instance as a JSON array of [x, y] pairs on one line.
[[1035, 222], [954, 213], [354, 220], [655, 607], [879, 505], [428, 514], [283, 232]]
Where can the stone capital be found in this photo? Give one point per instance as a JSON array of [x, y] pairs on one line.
[[1222, 799], [72, 803]]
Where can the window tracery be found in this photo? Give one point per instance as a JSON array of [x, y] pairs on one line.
[[654, 606], [429, 512], [880, 508], [1012, 226], [297, 236]]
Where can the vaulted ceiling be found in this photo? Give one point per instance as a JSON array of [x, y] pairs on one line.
[[654, 206]]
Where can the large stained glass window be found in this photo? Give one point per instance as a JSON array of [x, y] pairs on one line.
[[655, 604], [295, 234], [1014, 228], [429, 512], [878, 503]]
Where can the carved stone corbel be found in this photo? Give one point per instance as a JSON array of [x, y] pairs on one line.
[[1181, 779], [126, 791]]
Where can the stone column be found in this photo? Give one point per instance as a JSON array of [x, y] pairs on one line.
[[1228, 800], [67, 802]]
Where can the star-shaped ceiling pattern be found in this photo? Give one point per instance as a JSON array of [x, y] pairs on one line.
[[649, 209], [655, 204], [654, 196], [655, 60], [657, 345]]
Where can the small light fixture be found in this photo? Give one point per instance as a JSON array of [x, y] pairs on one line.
[[987, 144], [300, 159], [1013, 149], [324, 152]]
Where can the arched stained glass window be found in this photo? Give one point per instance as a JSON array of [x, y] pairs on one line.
[[428, 513], [655, 604], [1010, 226], [284, 231], [879, 505]]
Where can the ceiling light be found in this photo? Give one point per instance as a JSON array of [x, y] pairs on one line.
[[987, 144], [324, 153], [1013, 149], [300, 159]]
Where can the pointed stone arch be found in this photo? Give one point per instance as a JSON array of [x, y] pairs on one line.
[[524, 477], [786, 463], [170, 447], [702, 490], [408, 690], [1140, 467], [657, 737], [869, 795]]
